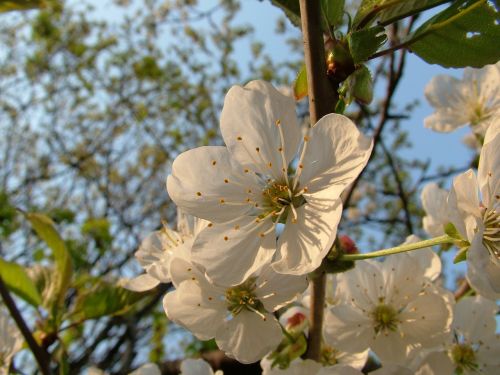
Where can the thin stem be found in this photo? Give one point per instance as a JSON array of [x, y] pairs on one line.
[[400, 249], [322, 100], [41, 356]]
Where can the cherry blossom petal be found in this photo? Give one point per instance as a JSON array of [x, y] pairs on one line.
[[474, 317], [277, 290], [489, 166], [436, 363], [195, 367], [347, 328], [425, 325], [365, 284], [140, 283], [390, 347], [248, 126], [298, 367], [304, 243], [428, 260], [434, 201], [248, 337], [339, 369], [147, 369], [445, 121], [483, 274], [392, 369], [190, 307], [336, 153], [204, 183], [444, 91], [403, 279], [232, 251]]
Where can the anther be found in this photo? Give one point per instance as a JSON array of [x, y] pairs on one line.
[[198, 193], [222, 201], [239, 138], [226, 238], [257, 149], [214, 162], [226, 181]]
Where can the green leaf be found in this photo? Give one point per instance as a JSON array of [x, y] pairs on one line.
[[388, 11], [364, 43], [45, 229], [333, 10], [361, 85], [300, 85], [461, 255], [464, 34], [100, 298], [12, 5], [452, 231], [291, 8], [18, 281], [404, 8]]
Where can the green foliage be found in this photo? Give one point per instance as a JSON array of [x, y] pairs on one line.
[[15, 5], [45, 229], [147, 68], [364, 43], [462, 35], [99, 298], [360, 85], [388, 11], [99, 230], [333, 10], [18, 281], [300, 84], [291, 8], [8, 222]]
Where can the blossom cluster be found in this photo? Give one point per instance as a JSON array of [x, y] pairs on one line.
[[258, 215]]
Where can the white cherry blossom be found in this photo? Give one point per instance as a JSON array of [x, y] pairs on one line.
[[197, 367], [246, 188], [309, 367], [477, 216], [11, 341], [157, 249], [239, 317], [434, 200], [392, 307], [473, 348], [472, 100]]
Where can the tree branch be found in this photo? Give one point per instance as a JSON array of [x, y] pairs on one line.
[[322, 100], [41, 356]]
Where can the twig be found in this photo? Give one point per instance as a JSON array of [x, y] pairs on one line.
[[41, 356], [322, 100]]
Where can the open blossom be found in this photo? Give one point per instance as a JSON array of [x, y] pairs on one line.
[[248, 187], [473, 347], [391, 307], [157, 249], [197, 367], [473, 100], [434, 200], [309, 367], [239, 317], [477, 217], [11, 341]]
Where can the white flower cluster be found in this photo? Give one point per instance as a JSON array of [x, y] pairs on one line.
[[267, 206]]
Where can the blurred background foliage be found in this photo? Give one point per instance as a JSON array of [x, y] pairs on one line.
[[96, 101]]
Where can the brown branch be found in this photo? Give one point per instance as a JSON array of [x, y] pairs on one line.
[[41, 356], [322, 100]]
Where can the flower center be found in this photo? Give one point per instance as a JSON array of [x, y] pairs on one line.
[[243, 297], [464, 357], [491, 233], [280, 199], [385, 318], [329, 356]]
